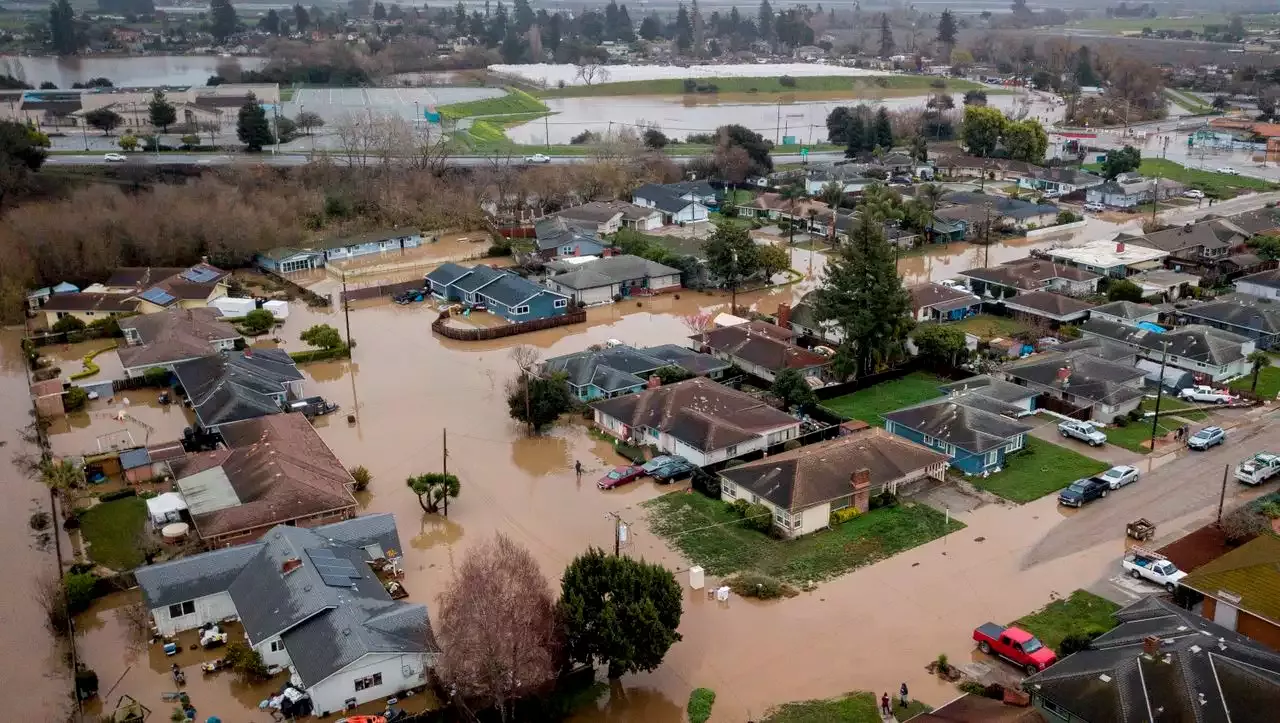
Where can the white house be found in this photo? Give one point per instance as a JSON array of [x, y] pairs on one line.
[[308, 601], [678, 202], [1202, 350], [698, 419], [600, 281], [1265, 284]]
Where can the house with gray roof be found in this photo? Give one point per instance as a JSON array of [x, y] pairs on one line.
[[1201, 350], [1059, 180], [679, 202], [557, 238], [1030, 274], [1249, 316], [173, 336], [1197, 242], [232, 386], [974, 431], [937, 302], [604, 373], [309, 602], [600, 281], [998, 389], [1126, 312], [499, 291], [1265, 284], [1048, 307], [1083, 381], [317, 253]]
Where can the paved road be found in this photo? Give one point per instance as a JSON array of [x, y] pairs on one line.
[[301, 159]]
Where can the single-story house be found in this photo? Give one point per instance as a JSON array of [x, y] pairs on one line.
[[1011, 212], [602, 280], [274, 470], [1030, 274], [936, 302], [288, 259], [1239, 590], [1161, 663], [316, 254], [37, 297], [1004, 169], [1202, 350], [603, 373], [988, 386], [309, 602], [1255, 318], [849, 179], [1049, 307], [88, 306], [803, 486], [944, 229], [189, 288], [173, 336], [974, 432], [557, 238], [1167, 284], [774, 206], [1125, 312], [1233, 266], [1082, 380], [693, 191], [1115, 259], [1204, 241], [598, 217], [698, 419], [232, 386], [500, 291], [803, 320], [1264, 221], [676, 205], [1130, 189], [761, 349], [1060, 180], [1263, 285]]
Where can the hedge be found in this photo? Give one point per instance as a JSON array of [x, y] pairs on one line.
[[90, 368], [302, 357]]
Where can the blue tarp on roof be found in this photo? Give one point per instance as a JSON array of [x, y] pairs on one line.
[[1156, 328], [134, 458]]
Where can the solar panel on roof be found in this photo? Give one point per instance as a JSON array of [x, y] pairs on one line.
[[158, 296], [334, 571], [199, 275]]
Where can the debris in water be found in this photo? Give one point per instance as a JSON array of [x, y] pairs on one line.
[[979, 539]]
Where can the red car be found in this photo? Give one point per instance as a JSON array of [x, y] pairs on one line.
[[619, 476], [1016, 646]]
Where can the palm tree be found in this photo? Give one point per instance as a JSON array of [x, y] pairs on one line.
[[813, 217], [931, 193], [832, 194], [1260, 360], [792, 193], [60, 476]]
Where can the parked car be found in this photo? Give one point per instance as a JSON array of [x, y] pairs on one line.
[[1083, 431], [1094, 207], [1207, 437], [1152, 566], [537, 158], [1258, 469], [658, 462], [1201, 393], [674, 470], [1120, 476], [619, 476], [1228, 171], [1016, 646], [1193, 193], [115, 158], [1083, 491]]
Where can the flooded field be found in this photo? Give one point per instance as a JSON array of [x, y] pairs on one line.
[[551, 74]]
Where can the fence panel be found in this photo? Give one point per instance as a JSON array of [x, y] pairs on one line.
[[441, 327]]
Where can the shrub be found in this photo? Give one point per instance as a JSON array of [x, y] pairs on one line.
[[884, 499], [246, 661], [302, 357], [79, 588], [68, 323], [74, 399], [759, 517], [1121, 421], [972, 687], [1076, 642], [1270, 509], [117, 494], [994, 691], [1068, 331], [758, 585], [108, 326], [843, 515], [787, 81], [739, 507], [791, 444], [1135, 415], [498, 249], [362, 477], [942, 663], [700, 702], [258, 321], [156, 377]]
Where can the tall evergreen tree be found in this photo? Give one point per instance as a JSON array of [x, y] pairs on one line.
[[301, 19], [650, 27], [62, 28], [863, 296], [947, 30], [764, 20], [252, 127], [684, 29], [886, 36], [855, 135], [523, 16], [271, 22], [626, 31], [162, 112], [222, 19], [883, 129]]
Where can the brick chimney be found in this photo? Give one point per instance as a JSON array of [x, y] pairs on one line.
[[606, 253], [1064, 375], [1119, 247], [784, 316], [248, 352], [654, 382], [290, 565], [862, 489], [1151, 645]]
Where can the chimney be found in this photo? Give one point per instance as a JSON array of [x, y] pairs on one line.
[[290, 565], [204, 259], [654, 382], [784, 316], [248, 352], [862, 489], [1064, 375], [1120, 247], [606, 253], [1151, 645]]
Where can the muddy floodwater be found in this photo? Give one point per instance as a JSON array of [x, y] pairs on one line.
[[406, 387]]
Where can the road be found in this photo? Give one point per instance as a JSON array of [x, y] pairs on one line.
[[301, 159]]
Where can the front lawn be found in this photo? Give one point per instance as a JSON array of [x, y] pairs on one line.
[[857, 707], [1268, 383], [1219, 185], [871, 403], [1081, 614], [1173, 405], [712, 536], [111, 529], [1037, 470], [1136, 435], [988, 326]]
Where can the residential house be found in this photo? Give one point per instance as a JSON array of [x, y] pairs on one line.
[[600, 281], [1131, 189], [975, 708], [846, 221], [988, 386], [1048, 307], [774, 206], [1060, 181], [1263, 285], [273, 470], [1080, 380], [234, 386], [995, 169], [1161, 663], [1166, 284], [1196, 243], [761, 349], [316, 254], [308, 602], [975, 432], [936, 302], [556, 238], [1239, 590], [611, 372], [804, 486], [144, 290], [698, 419], [693, 191], [943, 229], [847, 176], [1114, 259], [1007, 212], [1126, 313], [598, 217], [500, 291], [1263, 222], [1254, 318], [1206, 352], [88, 306], [1233, 266], [171, 337], [38, 297], [1030, 274], [288, 259], [802, 319], [679, 203]]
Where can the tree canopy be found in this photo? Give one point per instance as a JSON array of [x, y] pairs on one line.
[[938, 344], [982, 129], [252, 127], [1121, 160], [161, 111], [431, 489], [538, 401], [790, 387], [321, 335], [731, 255]]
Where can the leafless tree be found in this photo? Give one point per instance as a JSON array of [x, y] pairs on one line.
[[590, 73], [525, 356], [497, 625], [1243, 524], [433, 152], [48, 594], [212, 128], [357, 137]]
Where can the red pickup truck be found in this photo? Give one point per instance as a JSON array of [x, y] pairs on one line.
[[1015, 645]]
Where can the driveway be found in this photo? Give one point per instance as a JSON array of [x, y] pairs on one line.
[[1108, 453]]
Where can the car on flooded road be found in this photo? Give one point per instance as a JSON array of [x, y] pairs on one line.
[[619, 476], [658, 463], [677, 468], [1014, 645], [1207, 437], [1083, 491]]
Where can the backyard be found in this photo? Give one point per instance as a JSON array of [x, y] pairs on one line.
[[987, 326], [1268, 383], [706, 531], [856, 707], [1083, 613], [111, 531], [872, 403], [1039, 469]]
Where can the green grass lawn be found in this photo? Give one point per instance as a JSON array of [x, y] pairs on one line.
[[1187, 102], [1196, 22], [987, 326], [1081, 614], [515, 101], [738, 197], [1041, 469], [724, 548], [856, 707], [720, 219], [1172, 405], [1220, 185], [111, 532], [766, 86], [1133, 436], [870, 403], [1268, 382]]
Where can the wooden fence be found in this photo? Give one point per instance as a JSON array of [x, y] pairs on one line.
[[441, 327], [373, 292]]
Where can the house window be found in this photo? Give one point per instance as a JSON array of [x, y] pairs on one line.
[[371, 681], [1017, 443], [565, 250], [755, 500], [796, 520], [731, 450], [729, 489], [561, 303], [991, 459], [780, 519], [277, 646], [181, 609], [928, 441], [521, 310]]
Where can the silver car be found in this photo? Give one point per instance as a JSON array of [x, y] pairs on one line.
[[1119, 476], [1083, 431]]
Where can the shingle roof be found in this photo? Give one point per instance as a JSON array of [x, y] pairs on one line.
[[697, 412], [91, 301], [593, 211], [337, 242], [959, 423], [765, 345], [1091, 377], [1048, 303], [512, 290], [232, 386], [1125, 310], [622, 367], [447, 273], [821, 472], [478, 277], [1270, 279], [1215, 234], [174, 335], [1195, 342], [661, 197], [612, 270], [552, 233], [687, 359], [942, 298], [1028, 274], [1261, 221], [140, 277], [188, 578], [1251, 571], [989, 386], [1256, 315]]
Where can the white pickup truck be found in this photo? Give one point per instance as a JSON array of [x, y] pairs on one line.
[[1154, 567], [1200, 393], [1258, 469]]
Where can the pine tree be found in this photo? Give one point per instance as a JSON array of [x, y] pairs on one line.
[[252, 127], [886, 36], [162, 111], [62, 28], [855, 134], [883, 129], [764, 20], [222, 19], [947, 30], [684, 29], [301, 19]]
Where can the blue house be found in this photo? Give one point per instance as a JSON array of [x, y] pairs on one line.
[[501, 292], [974, 431], [619, 370], [556, 238], [286, 259]]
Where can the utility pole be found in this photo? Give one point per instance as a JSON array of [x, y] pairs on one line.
[[1159, 393], [346, 309], [444, 465], [618, 531], [1222, 496], [986, 232], [733, 285], [546, 128], [777, 128], [1155, 199]]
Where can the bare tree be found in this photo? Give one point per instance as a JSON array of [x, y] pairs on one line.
[[497, 625], [433, 152], [212, 128], [590, 73], [49, 595], [357, 138], [525, 356]]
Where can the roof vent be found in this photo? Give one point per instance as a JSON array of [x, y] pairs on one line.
[[1104, 678], [346, 632], [306, 588], [1195, 648], [1201, 697]]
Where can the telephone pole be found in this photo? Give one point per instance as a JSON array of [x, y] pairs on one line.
[[1155, 199], [619, 531], [1222, 496], [1159, 393], [444, 465], [346, 310]]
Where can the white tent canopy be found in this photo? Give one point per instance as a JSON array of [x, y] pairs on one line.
[[166, 508]]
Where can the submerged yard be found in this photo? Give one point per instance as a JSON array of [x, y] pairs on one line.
[[858, 707], [1039, 469]]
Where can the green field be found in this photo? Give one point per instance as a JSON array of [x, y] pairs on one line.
[[858, 707], [831, 85], [1268, 382], [1218, 185], [714, 537], [1081, 614], [111, 531], [1196, 23], [515, 101], [1040, 469], [872, 403]]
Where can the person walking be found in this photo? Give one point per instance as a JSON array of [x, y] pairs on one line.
[[903, 698], [577, 467], [885, 709]]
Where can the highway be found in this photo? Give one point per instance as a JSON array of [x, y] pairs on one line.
[[301, 159]]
